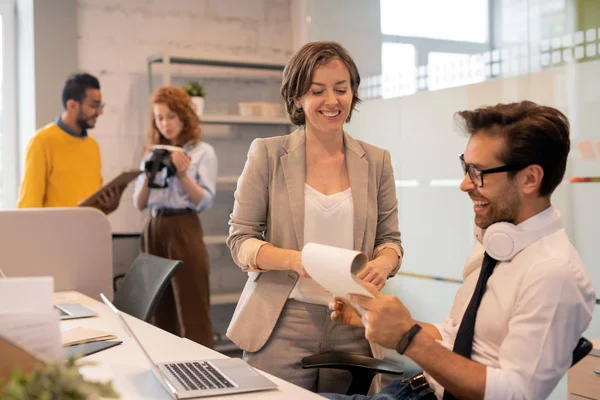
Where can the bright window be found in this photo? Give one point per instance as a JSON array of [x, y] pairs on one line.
[[398, 62], [8, 133], [459, 20], [3, 167], [446, 70]]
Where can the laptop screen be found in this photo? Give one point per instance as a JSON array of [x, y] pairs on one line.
[[129, 331]]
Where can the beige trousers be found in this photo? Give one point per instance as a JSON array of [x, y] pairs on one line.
[[304, 329]]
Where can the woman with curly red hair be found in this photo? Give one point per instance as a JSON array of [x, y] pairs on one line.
[[173, 230]]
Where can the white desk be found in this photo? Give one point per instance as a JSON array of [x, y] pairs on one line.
[[127, 367]]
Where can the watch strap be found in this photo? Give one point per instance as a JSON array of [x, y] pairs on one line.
[[407, 338]]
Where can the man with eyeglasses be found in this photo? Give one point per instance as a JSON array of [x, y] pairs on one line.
[[526, 296], [62, 164]]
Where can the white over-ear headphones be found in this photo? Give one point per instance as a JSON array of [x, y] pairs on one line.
[[504, 240]]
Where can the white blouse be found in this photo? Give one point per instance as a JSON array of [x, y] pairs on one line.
[[329, 220]]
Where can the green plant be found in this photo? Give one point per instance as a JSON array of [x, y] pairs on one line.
[[53, 382], [194, 89]]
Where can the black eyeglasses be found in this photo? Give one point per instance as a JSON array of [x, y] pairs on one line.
[[476, 174]]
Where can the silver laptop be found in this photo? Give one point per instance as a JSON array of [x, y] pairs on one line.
[[201, 378], [74, 310]]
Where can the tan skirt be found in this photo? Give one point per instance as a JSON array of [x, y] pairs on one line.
[[184, 309]]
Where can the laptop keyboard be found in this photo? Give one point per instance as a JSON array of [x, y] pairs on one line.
[[198, 376]]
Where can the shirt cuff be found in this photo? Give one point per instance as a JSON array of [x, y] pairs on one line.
[[248, 252]]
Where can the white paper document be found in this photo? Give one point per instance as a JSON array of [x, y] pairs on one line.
[[28, 318], [22, 295], [335, 268]]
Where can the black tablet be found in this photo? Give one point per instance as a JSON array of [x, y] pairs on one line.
[[85, 349]]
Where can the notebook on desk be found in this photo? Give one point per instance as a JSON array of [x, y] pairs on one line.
[[74, 310], [201, 378]]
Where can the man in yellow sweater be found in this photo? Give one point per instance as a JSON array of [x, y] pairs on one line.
[[62, 164]]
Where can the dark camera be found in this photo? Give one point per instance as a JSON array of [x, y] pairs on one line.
[[160, 163]]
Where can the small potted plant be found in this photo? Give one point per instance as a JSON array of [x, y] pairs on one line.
[[196, 91], [55, 381]]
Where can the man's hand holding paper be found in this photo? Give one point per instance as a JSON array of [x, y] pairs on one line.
[[384, 317], [345, 312]]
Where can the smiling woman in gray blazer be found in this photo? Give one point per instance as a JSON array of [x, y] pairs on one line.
[[317, 184]]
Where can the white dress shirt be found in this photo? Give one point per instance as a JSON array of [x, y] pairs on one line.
[[533, 313], [329, 220]]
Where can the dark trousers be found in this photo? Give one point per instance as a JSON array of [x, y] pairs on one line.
[[184, 309]]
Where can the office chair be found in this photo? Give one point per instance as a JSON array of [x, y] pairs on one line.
[[143, 285], [364, 369]]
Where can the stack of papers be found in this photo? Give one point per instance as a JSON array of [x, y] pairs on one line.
[[80, 335], [28, 318]]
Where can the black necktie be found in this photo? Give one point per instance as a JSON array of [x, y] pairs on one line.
[[463, 344]]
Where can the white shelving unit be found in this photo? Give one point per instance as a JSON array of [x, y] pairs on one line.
[[213, 67], [227, 180], [224, 298], [214, 239], [242, 120], [168, 59]]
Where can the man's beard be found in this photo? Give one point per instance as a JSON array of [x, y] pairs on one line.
[[504, 209], [83, 123]]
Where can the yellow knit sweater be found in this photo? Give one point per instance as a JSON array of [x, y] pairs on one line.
[[60, 169]]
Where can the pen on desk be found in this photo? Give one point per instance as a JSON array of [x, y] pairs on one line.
[[581, 179]]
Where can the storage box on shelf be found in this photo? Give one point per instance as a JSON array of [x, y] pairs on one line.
[[231, 143], [261, 109]]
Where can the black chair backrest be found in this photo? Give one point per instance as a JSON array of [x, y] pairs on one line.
[[143, 285], [582, 349]]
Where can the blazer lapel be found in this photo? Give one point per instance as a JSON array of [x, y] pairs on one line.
[[294, 170], [358, 172]]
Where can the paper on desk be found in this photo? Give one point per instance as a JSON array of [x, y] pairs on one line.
[[335, 268], [81, 335], [36, 333], [27, 317], [21, 295]]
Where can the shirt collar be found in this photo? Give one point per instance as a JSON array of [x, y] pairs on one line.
[[540, 220], [534, 223], [65, 128]]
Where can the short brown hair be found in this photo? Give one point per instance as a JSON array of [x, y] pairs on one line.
[[179, 102], [533, 134], [298, 73]]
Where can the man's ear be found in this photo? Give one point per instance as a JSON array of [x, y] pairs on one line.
[[532, 178], [72, 104]]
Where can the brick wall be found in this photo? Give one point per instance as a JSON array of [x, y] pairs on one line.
[[114, 38]]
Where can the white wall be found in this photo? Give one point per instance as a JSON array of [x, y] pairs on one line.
[[353, 23]]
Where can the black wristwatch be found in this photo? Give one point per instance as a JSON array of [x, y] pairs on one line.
[[407, 338]]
